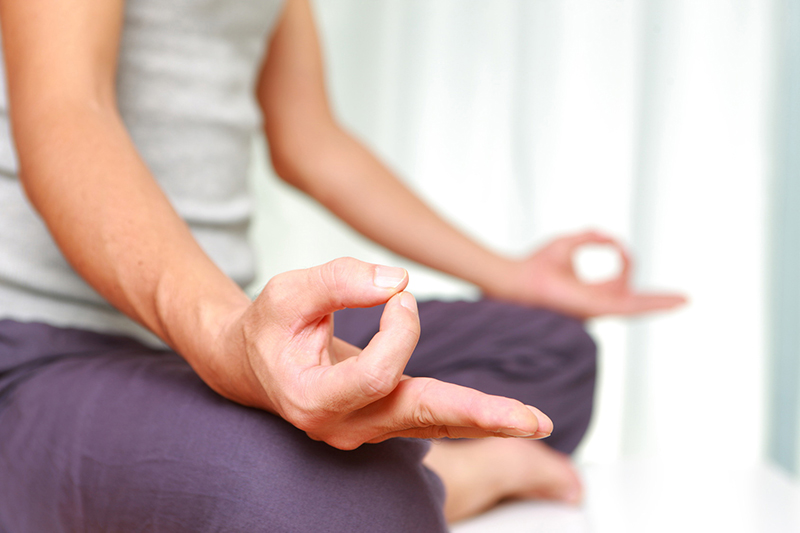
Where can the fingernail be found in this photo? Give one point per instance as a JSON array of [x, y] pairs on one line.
[[388, 277], [545, 424], [408, 301]]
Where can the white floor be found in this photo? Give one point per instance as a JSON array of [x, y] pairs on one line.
[[647, 496]]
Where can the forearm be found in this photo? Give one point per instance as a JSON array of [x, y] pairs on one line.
[[118, 230], [83, 175], [352, 183], [312, 152]]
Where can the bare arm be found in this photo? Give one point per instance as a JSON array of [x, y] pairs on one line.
[[118, 230], [311, 151], [84, 176]]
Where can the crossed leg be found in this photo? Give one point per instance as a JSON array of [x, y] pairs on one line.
[[116, 437], [106, 435]]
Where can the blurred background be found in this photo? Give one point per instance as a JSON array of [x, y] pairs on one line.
[[670, 124]]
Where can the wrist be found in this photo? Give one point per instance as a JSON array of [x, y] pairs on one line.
[[518, 281], [206, 330], [500, 281], [224, 363]]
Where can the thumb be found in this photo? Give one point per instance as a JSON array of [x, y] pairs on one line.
[[346, 282]]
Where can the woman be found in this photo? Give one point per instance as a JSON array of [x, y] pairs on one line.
[[131, 124]]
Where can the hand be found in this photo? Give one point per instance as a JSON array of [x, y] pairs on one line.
[[548, 279], [339, 394]]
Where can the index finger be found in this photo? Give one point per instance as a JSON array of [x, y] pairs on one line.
[[373, 373]]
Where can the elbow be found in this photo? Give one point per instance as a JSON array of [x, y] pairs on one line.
[[300, 158], [285, 164]]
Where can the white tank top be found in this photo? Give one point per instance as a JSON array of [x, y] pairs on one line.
[[185, 84]]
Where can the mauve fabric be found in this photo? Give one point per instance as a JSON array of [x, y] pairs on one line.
[[100, 433], [114, 436]]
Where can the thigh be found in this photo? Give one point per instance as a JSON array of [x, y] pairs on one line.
[[537, 356], [134, 441]]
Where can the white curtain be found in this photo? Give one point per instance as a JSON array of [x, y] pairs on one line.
[[520, 120]]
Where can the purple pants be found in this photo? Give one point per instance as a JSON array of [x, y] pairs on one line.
[[99, 433]]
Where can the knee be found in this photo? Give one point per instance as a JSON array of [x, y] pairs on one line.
[[568, 338], [539, 340]]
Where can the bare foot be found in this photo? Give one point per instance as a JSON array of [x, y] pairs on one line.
[[480, 473]]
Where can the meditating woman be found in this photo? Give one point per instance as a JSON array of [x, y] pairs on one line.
[[141, 389]]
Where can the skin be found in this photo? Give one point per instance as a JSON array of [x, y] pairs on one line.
[[117, 229], [311, 151]]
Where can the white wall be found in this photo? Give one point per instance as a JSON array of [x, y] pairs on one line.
[[521, 120]]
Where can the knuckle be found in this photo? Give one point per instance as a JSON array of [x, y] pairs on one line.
[[334, 276], [422, 414], [378, 383], [276, 292], [444, 432], [341, 265], [335, 271]]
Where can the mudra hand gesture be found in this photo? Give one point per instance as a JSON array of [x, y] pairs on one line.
[[548, 279], [345, 396]]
